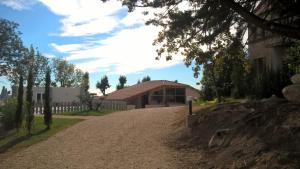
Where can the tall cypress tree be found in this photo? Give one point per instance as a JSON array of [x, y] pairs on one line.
[[18, 117], [30, 103], [47, 107]]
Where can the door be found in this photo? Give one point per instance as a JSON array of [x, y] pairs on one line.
[[144, 100]]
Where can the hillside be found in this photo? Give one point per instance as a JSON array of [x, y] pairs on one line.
[[261, 134]]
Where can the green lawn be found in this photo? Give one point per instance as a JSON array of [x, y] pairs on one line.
[[14, 141], [214, 102], [88, 113]]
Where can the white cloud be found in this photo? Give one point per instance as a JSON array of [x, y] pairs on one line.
[[66, 48], [18, 4], [49, 56], [128, 51], [85, 17]]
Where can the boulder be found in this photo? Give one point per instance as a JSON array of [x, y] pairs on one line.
[[292, 93], [296, 79]]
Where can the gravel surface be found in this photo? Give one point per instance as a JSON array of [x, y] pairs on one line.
[[126, 139]]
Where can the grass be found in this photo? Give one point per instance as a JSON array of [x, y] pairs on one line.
[[14, 141], [88, 113], [214, 102]]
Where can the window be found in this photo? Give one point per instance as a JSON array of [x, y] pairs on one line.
[[180, 91], [158, 92], [157, 99], [170, 91], [180, 99], [40, 97], [171, 99]]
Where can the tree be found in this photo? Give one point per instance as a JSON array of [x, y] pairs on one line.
[[85, 82], [10, 46], [4, 93], [103, 85], [66, 74], [122, 82], [47, 107], [86, 98], [138, 82], [225, 74], [30, 58], [292, 60], [19, 111], [202, 23], [29, 100], [146, 78]]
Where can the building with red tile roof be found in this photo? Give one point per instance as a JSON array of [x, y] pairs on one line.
[[154, 93]]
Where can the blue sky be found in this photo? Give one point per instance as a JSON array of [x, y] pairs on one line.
[[101, 38]]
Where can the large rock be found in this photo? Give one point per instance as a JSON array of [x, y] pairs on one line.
[[296, 79], [292, 93]]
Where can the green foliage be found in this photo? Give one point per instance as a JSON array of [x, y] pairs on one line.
[[103, 84], [89, 113], [224, 75], [207, 91], [19, 111], [66, 74], [122, 82], [146, 78], [10, 46], [292, 59], [29, 59], [86, 98], [268, 82], [47, 107], [189, 25], [4, 93], [8, 109], [85, 82], [29, 100]]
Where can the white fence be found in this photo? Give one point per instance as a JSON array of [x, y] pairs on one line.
[[58, 108]]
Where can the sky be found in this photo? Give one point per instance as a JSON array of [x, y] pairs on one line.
[[101, 38]]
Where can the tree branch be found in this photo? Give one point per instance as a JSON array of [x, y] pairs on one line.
[[281, 29]]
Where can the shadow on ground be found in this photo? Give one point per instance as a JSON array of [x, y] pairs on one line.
[[18, 140]]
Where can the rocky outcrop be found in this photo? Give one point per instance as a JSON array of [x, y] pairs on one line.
[[292, 92], [296, 79]]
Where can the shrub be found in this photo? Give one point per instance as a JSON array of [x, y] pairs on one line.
[[9, 110]]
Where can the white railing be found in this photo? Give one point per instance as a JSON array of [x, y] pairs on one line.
[[58, 108]]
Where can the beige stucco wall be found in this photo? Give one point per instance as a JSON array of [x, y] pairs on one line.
[[263, 49], [193, 93], [59, 94], [135, 101], [65, 94]]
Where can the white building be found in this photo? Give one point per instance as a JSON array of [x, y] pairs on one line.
[[57, 94]]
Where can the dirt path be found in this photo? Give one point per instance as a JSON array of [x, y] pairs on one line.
[[128, 139]]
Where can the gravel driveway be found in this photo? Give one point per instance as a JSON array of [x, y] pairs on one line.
[[127, 139]]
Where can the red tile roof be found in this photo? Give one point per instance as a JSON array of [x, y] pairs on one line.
[[138, 89]]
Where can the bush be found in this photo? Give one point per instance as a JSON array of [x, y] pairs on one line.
[[266, 83], [8, 110]]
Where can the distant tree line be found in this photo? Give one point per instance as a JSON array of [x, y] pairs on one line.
[[27, 66]]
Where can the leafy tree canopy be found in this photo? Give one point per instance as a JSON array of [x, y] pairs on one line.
[[188, 24], [122, 82], [103, 85], [146, 78], [66, 73], [11, 46], [85, 82]]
